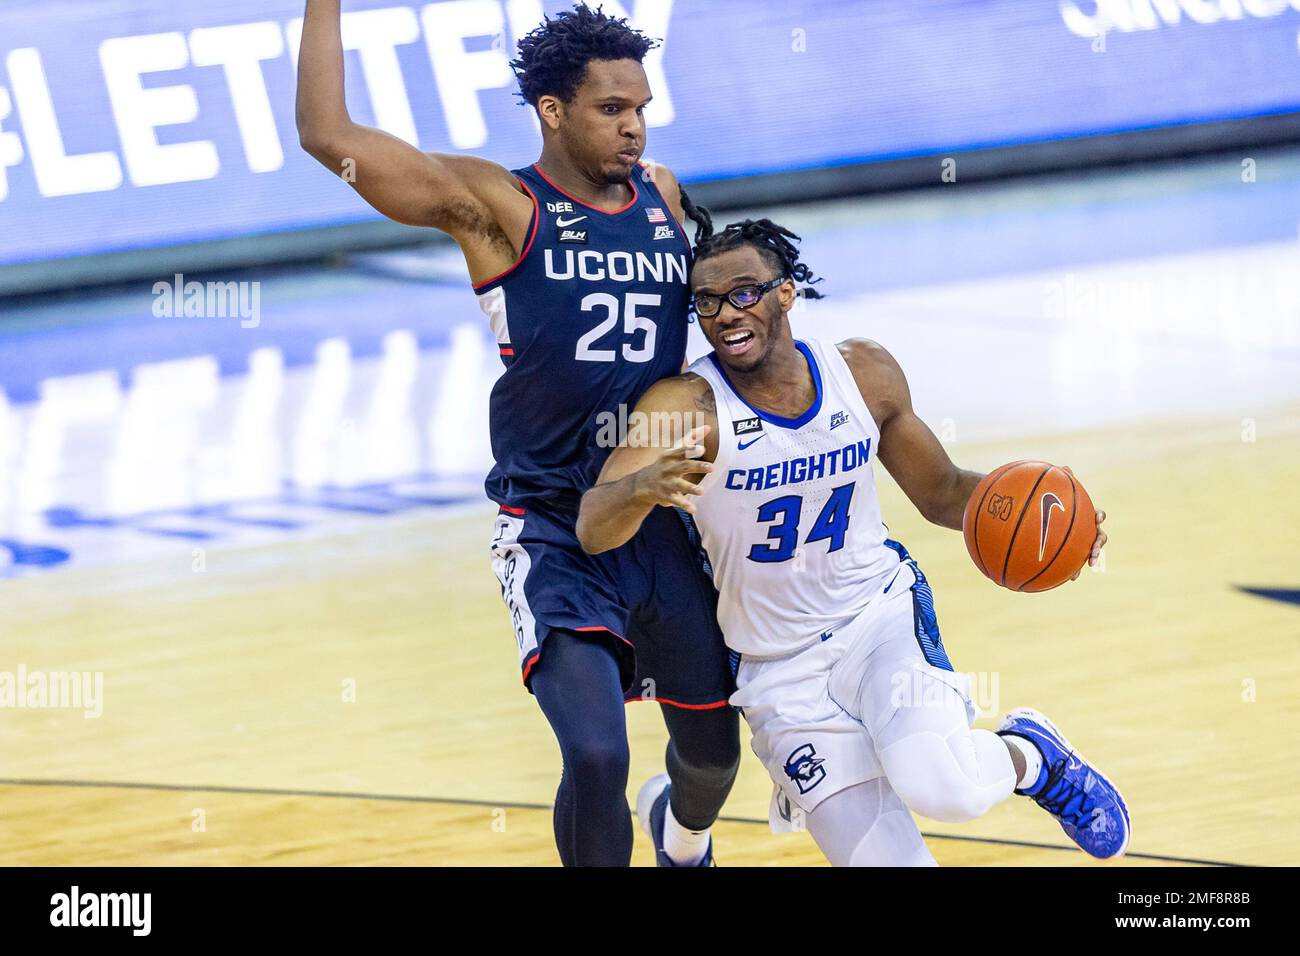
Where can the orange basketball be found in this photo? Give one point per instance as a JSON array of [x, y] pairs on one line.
[[1029, 526]]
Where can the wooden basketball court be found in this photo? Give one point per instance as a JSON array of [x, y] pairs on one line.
[[355, 700]]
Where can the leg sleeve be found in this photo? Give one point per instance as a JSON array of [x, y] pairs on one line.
[[703, 756], [578, 687], [868, 825]]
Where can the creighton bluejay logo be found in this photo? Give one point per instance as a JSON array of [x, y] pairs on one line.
[[804, 767]]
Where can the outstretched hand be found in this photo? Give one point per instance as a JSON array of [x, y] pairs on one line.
[[667, 480]]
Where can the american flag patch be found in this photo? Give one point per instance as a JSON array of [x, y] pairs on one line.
[[655, 214]]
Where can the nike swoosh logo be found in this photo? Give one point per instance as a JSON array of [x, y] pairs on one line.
[[568, 222], [745, 444], [1047, 503], [891, 581]]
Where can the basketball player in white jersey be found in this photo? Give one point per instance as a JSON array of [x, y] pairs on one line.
[[842, 675]]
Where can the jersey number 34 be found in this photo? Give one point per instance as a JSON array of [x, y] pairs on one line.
[[831, 524]]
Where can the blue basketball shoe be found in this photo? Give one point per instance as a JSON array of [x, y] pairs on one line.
[[651, 805], [1086, 804]]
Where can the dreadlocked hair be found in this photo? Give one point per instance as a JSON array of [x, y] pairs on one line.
[[553, 58], [697, 214], [775, 243]]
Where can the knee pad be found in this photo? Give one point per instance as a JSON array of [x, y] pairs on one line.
[[945, 778]]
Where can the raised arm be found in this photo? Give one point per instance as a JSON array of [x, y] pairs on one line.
[[678, 419], [908, 449], [476, 201]]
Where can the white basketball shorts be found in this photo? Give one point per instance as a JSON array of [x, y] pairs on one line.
[[818, 715]]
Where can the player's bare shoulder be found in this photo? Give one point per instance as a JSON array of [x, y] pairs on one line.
[[485, 178], [879, 377], [687, 392], [686, 401], [666, 182], [493, 204]]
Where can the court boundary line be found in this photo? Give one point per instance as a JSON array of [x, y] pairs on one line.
[[512, 805]]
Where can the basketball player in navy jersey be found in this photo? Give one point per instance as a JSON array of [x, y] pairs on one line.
[[855, 708], [580, 263]]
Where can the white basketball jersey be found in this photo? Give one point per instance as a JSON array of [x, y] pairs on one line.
[[789, 516]]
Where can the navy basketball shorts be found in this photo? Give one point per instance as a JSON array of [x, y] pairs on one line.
[[651, 599]]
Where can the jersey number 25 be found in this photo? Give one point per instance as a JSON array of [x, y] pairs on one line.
[[632, 323]]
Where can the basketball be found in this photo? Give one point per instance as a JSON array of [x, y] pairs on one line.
[[1029, 526]]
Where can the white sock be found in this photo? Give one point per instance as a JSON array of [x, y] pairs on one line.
[[1033, 759], [684, 847]]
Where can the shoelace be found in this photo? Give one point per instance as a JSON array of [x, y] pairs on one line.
[[1064, 798]]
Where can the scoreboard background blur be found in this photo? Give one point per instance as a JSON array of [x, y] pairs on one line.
[[143, 124]]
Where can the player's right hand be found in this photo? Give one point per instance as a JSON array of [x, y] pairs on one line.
[[672, 478]]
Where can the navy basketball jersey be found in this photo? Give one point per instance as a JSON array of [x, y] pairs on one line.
[[590, 316]]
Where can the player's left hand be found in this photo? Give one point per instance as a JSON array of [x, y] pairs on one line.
[[1098, 543]]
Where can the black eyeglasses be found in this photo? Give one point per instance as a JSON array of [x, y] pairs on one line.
[[742, 297]]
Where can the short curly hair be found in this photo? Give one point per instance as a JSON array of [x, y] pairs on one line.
[[777, 245], [553, 58]]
